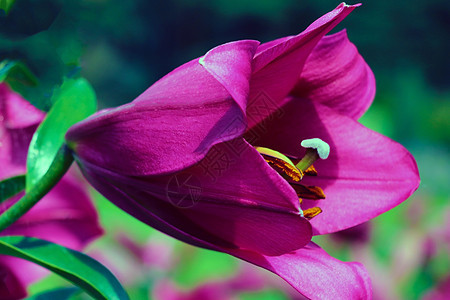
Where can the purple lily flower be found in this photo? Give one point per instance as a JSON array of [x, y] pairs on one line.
[[182, 157], [64, 216]]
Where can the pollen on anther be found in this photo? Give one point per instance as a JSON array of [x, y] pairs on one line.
[[282, 164], [308, 191], [282, 167], [311, 171], [311, 212]]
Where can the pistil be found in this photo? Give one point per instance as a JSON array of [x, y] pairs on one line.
[[316, 148]]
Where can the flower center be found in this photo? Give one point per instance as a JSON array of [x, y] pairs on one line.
[[293, 169]]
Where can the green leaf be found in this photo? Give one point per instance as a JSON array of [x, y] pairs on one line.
[[11, 186], [74, 101], [60, 294], [6, 5], [76, 267]]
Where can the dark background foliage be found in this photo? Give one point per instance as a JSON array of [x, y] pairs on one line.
[[125, 46]]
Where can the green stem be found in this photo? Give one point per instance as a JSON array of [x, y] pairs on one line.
[[58, 168], [310, 157]]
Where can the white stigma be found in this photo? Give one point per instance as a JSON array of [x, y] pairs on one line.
[[323, 149]]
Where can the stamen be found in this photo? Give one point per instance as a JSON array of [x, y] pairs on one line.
[[309, 192], [316, 148], [311, 171], [281, 163], [311, 212]]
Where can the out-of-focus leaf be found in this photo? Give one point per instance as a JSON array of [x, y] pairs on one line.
[[11, 186], [24, 82], [264, 295], [74, 101], [60, 294], [195, 266], [76, 267], [6, 5], [15, 73]]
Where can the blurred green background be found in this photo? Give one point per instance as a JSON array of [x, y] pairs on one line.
[[122, 47]]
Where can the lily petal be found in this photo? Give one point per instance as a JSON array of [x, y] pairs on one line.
[[146, 207], [315, 274], [277, 66], [16, 111], [174, 123], [336, 75], [18, 121], [245, 205], [11, 286], [233, 76], [365, 175]]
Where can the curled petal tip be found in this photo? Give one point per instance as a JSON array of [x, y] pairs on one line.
[[343, 4]]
